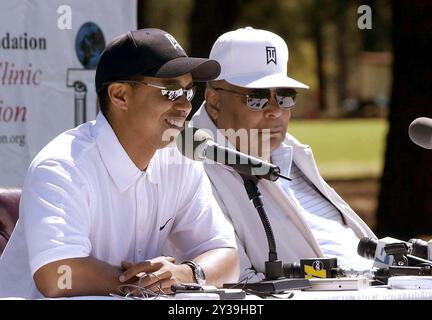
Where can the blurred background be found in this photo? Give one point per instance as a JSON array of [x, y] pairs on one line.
[[366, 86]]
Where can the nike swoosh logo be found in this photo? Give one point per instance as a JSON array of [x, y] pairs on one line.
[[161, 228]]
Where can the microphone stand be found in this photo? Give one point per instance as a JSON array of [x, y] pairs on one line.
[[274, 281], [273, 267]]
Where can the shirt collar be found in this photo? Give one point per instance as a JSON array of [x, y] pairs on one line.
[[282, 157], [117, 162]]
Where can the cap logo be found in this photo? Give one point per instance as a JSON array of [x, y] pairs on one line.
[[271, 55], [173, 41]]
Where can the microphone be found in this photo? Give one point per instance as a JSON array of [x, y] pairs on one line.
[[420, 132], [312, 268], [198, 145], [381, 252], [421, 248]]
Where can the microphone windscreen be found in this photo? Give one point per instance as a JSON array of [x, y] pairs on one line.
[[420, 132], [191, 142], [366, 247]]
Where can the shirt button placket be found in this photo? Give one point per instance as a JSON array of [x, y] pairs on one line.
[[139, 225]]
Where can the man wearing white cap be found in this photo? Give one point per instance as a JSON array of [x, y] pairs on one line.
[[253, 92]]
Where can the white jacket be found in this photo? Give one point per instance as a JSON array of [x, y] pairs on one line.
[[294, 238]]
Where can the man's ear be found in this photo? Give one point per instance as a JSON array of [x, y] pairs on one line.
[[117, 93], [212, 103]]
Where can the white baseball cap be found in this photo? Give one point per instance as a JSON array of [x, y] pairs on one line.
[[253, 58]]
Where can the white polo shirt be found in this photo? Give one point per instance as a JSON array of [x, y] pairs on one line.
[[83, 196]]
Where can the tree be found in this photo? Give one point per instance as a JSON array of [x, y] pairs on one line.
[[142, 17], [318, 17], [405, 201], [324, 13], [377, 38], [209, 19]]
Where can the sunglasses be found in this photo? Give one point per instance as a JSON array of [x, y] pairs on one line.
[[172, 91], [257, 99]]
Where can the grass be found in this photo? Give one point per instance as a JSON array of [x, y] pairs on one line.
[[344, 149]]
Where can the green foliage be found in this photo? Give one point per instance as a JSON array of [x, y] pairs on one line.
[[322, 35], [171, 16]]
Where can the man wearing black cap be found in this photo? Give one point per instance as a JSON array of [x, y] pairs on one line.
[[101, 201]]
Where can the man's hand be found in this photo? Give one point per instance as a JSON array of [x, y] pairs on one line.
[[93, 277], [155, 274]]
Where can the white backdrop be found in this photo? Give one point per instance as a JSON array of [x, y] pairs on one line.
[[38, 56]]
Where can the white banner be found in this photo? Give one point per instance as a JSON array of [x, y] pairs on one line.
[[48, 53]]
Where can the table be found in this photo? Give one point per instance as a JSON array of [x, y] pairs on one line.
[[373, 293]]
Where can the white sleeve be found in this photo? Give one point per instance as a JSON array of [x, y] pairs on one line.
[[247, 271], [199, 225], [55, 213]]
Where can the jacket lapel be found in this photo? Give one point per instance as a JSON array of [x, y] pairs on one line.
[[304, 159]]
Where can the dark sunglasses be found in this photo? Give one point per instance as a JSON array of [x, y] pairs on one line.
[[257, 99], [172, 91]]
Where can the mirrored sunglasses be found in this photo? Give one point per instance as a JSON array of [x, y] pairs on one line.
[[258, 99], [171, 92]]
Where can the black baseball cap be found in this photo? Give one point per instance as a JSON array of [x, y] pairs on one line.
[[150, 52]]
